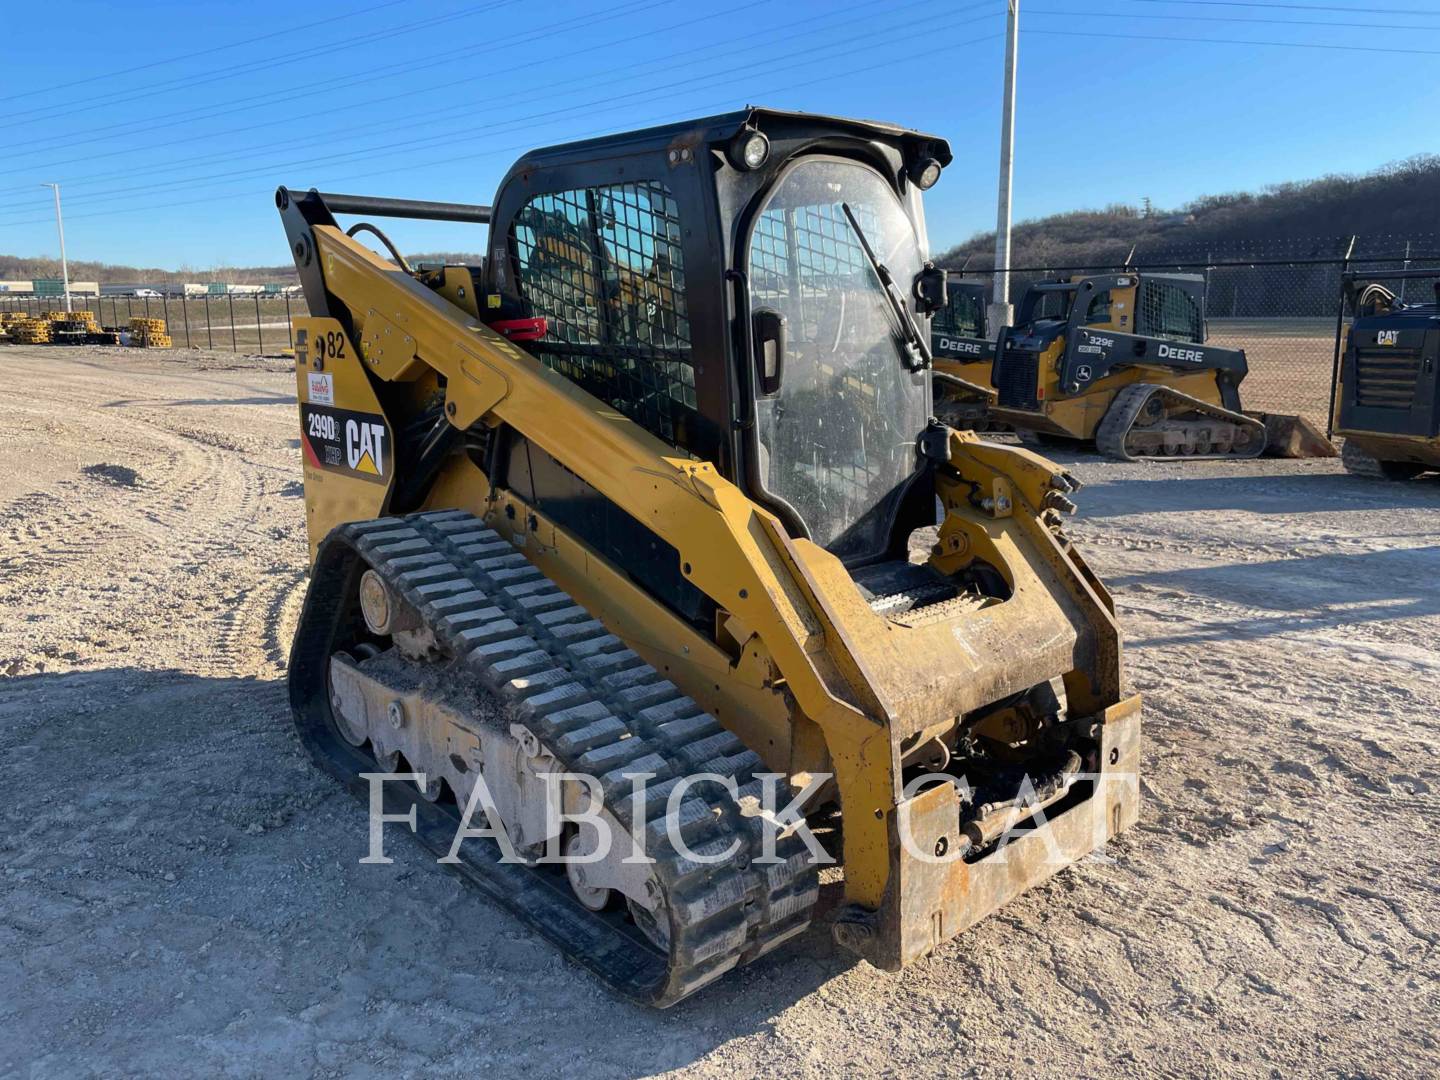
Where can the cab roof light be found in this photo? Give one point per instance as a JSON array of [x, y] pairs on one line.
[[748, 150]]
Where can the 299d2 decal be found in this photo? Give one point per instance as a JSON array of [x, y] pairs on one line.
[[352, 443]]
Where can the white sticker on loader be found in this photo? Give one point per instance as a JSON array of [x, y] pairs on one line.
[[322, 389]]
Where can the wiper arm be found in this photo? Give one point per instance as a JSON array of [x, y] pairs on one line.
[[916, 349]]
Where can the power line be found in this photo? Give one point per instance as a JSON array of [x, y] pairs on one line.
[[689, 113], [1233, 41], [199, 52], [427, 90], [120, 97], [247, 102], [1228, 19], [433, 116], [824, 54], [624, 72], [1347, 9]]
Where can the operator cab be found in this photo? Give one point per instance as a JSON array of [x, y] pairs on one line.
[[750, 288], [1170, 307], [960, 330]]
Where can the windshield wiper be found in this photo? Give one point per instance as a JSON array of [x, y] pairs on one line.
[[916, 354]]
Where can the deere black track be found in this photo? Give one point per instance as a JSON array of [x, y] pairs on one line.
[[1147, 420], [596, 707]]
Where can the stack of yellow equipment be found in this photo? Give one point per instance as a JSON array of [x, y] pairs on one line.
[[85, 318], [149, 334], [71, 327], [28, 331]]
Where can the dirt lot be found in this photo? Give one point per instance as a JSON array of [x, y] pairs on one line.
[[181, 891], [1291, 361]]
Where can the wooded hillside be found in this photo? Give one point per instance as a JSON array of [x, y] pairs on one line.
[[1385, 208]]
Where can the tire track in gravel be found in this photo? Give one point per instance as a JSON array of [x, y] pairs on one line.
[[43, 530], [214, 520], [256, 619], [183, 545], [172, 476]]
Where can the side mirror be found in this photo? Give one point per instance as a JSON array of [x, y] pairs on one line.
[[931, 294], [769, 333]]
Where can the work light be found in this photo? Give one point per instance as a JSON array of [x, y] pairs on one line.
[[749, 150]]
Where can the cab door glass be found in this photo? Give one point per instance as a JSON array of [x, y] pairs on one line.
[[963, 315], [836, 439], [1098, 311]]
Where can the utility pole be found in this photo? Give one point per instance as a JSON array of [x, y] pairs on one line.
[[60, 225], [1000, 309]]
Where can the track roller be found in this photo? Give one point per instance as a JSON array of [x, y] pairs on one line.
[[430, 639]]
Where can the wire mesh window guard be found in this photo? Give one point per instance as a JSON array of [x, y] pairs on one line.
[[604, 266], [1168, 311], [807, 255]]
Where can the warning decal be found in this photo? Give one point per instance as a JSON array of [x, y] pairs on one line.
[[353, 443]]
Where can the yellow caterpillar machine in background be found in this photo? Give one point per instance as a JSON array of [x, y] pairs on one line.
[[1386, 403], [1121, 360], [635, 500]]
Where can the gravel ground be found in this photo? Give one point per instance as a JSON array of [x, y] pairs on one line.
[[181, 891]]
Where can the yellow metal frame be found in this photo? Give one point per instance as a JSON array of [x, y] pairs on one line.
[[975, 372], [1077, 416]]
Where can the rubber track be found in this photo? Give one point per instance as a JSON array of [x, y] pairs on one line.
[[1118, 420], [601, 710], [1359, 463]]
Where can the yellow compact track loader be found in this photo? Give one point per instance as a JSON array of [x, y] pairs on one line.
[[612, 540], [1386, 403], [1120, 360]]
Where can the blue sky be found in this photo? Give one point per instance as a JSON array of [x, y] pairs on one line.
[[170, 123]]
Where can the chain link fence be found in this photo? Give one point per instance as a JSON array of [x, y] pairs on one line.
[[1279, 301], [248, 323]]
